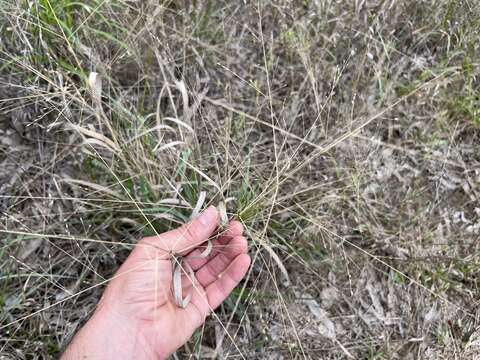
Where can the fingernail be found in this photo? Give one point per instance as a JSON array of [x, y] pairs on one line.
[[208, 216]]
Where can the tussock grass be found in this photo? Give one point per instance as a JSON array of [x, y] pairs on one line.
[[344, 136]]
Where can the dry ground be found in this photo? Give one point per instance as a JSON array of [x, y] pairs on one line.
[[345, 135]]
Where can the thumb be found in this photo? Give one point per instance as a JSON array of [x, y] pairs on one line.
[[188, 236]]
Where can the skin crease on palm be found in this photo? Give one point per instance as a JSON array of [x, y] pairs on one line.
[[137, 317]]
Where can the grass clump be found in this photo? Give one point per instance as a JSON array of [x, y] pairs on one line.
[[343, 136]]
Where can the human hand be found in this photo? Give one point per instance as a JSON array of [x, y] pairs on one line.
[[137, 317]]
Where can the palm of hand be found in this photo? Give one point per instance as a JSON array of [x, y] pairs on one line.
[[139, 301]]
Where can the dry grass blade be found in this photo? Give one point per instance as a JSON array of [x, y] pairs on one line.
[[146, 132], [278, 261], [95, 86], [100, 137], [160, 147], [198, 206], [98, 188], [178, 267], [180, 85], [223, 213], [180, 123]]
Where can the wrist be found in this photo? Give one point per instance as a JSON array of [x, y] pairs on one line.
[[106, 336]]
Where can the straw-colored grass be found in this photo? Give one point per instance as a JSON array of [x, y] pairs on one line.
[[345, 137]]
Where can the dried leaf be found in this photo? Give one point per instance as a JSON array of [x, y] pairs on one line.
[[277, 259], [179, 265], [90, 133], [200, 201], [223, 213], [95, 85]]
